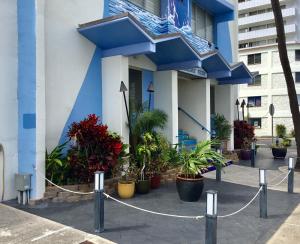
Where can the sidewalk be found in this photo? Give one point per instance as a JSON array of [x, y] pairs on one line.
[[19, 227]]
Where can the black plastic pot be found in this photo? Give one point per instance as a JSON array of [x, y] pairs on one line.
[[143, 186], [189, 189], [245, 154], [279, 152]]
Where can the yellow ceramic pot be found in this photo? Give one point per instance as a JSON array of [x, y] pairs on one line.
[[126, 189]]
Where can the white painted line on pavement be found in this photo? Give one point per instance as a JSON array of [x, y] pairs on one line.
[[48, 233]]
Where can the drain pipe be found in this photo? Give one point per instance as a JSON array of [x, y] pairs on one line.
[[3, 172]]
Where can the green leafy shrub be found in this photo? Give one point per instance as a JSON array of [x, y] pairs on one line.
[[57, 168], [280, 130], [223, 127]]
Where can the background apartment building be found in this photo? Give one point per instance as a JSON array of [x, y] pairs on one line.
[[258, 49]]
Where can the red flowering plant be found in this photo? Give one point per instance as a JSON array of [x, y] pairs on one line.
[[243, 133], [94, 148]]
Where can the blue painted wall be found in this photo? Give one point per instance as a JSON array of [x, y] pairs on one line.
[[222, 37], [89, 99], [147, 78], [106, 9], [27, 88]]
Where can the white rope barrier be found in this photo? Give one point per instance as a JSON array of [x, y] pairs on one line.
[[277, 176], [61, 188], [241, 209], [153, 212], [281, 180]]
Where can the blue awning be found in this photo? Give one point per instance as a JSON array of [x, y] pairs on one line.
[[216, 6], [240, 74], [125, 35], [216, 66]]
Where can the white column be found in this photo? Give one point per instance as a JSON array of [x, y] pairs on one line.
[[166, 99], [194, 98], [115, 70], [225, 104], [40, 99]]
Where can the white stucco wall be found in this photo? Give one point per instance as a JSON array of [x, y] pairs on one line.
[[68, 55], [142, 62], [166, 99], [40, 97], [8, 95], [194, 98], [225, 97], [115, 70]]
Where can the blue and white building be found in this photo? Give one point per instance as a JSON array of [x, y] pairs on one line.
[[63, 60]]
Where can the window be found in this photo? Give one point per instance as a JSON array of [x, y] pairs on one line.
[[256, 122], [297, 55], [254, 58], [254, 101], [257, 81], [149, 5], [297, 77], [298, 96], [202, 23]]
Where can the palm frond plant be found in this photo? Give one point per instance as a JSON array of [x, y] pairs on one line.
[[192, 162], [148, 121], [189, 182]]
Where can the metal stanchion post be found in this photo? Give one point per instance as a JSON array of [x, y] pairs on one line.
[[253, 154], [263, 213], [218, 170], [99, 201], [211, 218], [291, 175]]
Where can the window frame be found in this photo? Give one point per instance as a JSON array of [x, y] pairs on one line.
[[255, 101], [255, 81], [255, 59], [251, 120]]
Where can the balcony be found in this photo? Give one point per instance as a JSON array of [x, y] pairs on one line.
[[255, 4], [265, 33], [265, 17]]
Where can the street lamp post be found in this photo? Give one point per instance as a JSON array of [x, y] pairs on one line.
[[237, 104], [124, 89], [150, 90], [243, 108]]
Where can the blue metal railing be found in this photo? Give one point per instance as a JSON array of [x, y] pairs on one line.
[[195, 120]]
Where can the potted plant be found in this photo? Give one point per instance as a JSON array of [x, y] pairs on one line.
[[242, 130], [279, 150], [126, 171], [189, 182], [281, 130], [144, 153], [245, 153], [126, 183], [159, 160], [223, 130]]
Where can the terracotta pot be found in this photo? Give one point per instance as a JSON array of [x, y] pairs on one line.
[[126, 189], [189, 189], [155, 181]]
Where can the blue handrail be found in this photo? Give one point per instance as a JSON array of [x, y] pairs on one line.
[[195, 120]]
